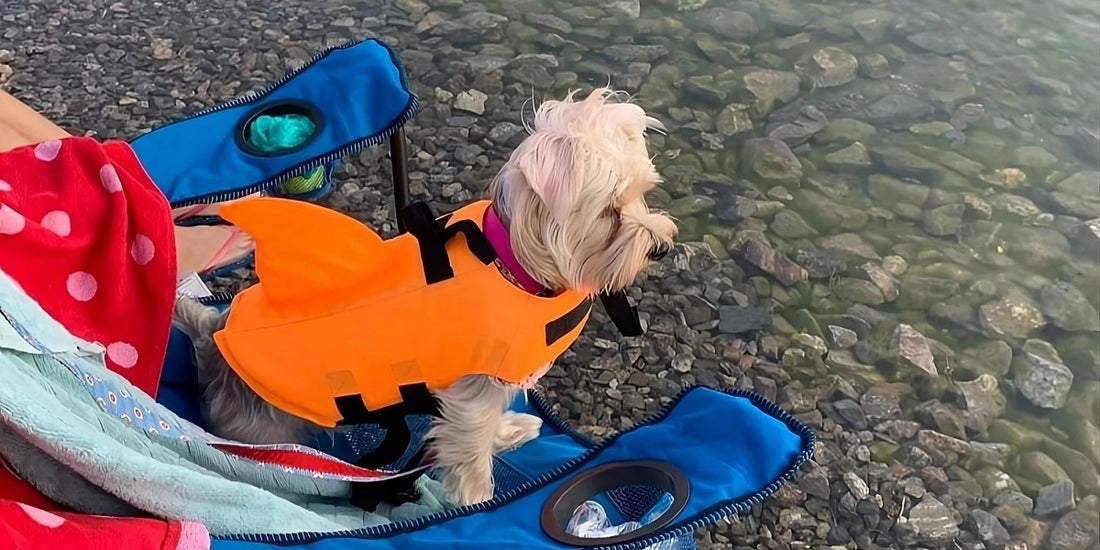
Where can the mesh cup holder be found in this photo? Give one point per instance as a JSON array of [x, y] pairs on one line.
[[242, 135], [558, 509]]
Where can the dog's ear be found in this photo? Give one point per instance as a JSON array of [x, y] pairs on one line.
[[549, 164]]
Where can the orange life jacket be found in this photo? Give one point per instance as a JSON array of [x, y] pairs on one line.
[[339, 313]]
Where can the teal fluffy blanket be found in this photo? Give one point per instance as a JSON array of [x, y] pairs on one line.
[[56, 432]]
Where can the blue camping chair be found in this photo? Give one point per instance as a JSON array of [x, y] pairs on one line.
[[358, 96]]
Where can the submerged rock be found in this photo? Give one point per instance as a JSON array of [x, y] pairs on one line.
[[1079, 194], [1079, 529], [737, 26], [841, 337], [828, 67], [1068, 308], [988, 528], [740, 320], [1055, 499], [858, 291], [941, 42], [889, 190], [882, 279], [993, 357], [772, 161], [756, 250], [733, 120], [846, 130], [908, 344], [984, 401], [789, 225], [1013, 317], [851, 158], [874, 66], [944, 220], [897, 109], [904, 164], [1040, 376], [795, 124], [771, 87], [921, 291]]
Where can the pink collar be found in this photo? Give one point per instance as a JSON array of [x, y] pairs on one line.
[[498, 238]]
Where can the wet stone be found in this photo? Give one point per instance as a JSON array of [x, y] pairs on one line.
[[911, 347], [904, 164], [1077, 466], [829, 67], [1038, 466], [771, 160], [851, 414], [724, 23], [795, 123], [857, 486], [820, 264], [734, 119], [1040, 375], [851, 245], [883, 401], [933, 523], [1079, 529], [770, 87], [941, 42], [897, 109], [988, 528], [1055, 499], [840, 337], [1042, 85], [874, 66], [845, 130], [852, 158], [1068, 308], [882, 279], [858, 291], [741, 320], [789, 225], [944, 220], [1011, 317], [984, 401], [756, 250]]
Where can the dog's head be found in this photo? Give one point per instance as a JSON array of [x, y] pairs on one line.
[[573, 195]]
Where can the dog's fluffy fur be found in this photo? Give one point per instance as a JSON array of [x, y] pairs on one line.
[[572, 198]]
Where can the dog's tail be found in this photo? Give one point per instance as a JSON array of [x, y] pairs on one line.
[[194, 319]]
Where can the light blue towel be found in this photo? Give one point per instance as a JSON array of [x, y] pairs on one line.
[[55, 435]]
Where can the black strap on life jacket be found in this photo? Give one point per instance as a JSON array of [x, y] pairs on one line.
[[415, 400], [432, 235], [624, 315]]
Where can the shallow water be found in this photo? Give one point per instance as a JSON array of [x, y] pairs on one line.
[[931, 166]]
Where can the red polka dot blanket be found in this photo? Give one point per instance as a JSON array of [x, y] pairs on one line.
[[88, 236]]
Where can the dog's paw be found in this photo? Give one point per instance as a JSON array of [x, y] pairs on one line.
[[515, 430], [468, 484]]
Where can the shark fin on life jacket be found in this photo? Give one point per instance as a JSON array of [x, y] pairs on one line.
[[304, 250]]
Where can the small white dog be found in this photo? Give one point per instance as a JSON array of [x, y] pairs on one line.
[[572, 200]]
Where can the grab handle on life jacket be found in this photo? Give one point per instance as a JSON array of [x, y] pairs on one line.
[[432, 234]]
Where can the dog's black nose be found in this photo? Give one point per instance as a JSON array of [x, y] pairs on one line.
[[659, 252]]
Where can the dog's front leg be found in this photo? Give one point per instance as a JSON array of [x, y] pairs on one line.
[[464, 436]]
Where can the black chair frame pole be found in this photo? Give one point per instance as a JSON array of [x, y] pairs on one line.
[[399, 161]]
